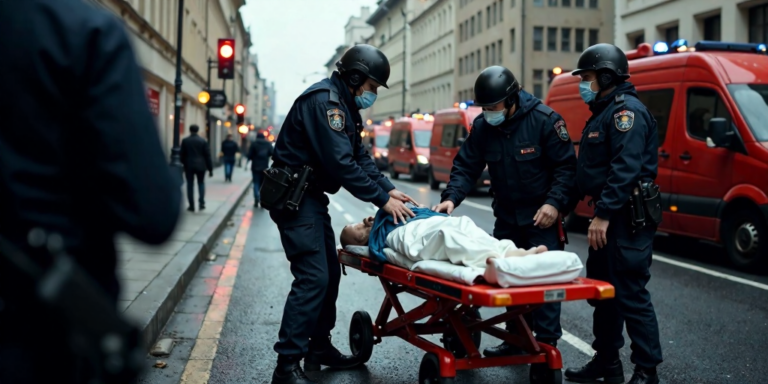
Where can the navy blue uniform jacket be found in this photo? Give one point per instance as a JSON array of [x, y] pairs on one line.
[[322, 130], [619, 147], [530, 159]]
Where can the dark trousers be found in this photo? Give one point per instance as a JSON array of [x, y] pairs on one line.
[[545, 321], [310, 245], [191, 189], [229, 166], [625, 263], [258, 178]]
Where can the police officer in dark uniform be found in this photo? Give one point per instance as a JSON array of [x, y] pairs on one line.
[[532, 165], [322, 131], [617, 162]]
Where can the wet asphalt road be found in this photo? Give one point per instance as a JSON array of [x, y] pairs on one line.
[[713, 330]]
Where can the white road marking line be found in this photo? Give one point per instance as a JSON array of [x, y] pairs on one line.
[[337, 206], [710, 272], [349, 218], [577, 343]]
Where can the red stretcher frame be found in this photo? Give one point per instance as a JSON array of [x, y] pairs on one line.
[[446, 302]]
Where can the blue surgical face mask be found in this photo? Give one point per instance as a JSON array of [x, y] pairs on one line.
[[365, 100], [495, 117], [587, 94]]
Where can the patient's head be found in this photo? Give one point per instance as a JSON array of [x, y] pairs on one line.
[[356, 234]]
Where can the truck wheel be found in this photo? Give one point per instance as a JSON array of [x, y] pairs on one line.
[[745, 237], [433, 184], [394, 175]]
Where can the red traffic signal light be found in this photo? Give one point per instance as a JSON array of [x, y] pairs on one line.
[[226, 63], [240, 109]]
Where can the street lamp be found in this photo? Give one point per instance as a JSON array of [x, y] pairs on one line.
[[313, 73], [176, 151]]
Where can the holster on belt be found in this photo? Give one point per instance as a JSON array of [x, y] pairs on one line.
[[283, 187], [561, 233], [645, 205]]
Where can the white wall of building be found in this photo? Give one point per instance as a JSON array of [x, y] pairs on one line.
[[432, 57]]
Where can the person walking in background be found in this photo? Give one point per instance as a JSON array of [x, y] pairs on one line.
[[196, 158], [229, 149], [259, 154]]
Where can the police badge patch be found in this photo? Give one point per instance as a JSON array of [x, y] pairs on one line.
[[336, 119], [562, 131], [624, 120]]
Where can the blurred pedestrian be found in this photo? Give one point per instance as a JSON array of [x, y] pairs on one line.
[[196, 157], [229, 149], [259, 154], [79, 157]]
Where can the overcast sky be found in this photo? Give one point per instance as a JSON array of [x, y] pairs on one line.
[[294, 38]]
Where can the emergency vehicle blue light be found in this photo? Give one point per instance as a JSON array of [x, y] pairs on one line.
[[660, 47], [463, 105], [680, 45], [730, 47]]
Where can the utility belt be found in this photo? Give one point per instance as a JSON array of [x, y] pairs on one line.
[[644, 205], [284, 187]]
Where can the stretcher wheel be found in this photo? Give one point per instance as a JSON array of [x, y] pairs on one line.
[[429, 371], [452, 342], [541, 374], [361, 336]]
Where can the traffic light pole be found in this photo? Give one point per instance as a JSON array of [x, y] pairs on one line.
[[176, 151], [207, 108]]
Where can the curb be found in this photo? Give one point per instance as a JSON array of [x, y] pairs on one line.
[[152, 311]]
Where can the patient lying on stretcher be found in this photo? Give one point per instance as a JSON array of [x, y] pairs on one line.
[[432, 236]]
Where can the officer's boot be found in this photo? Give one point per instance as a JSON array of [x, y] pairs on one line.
[[607, 368], [322, 352], [644, 376], [503, 349], [290, 373]]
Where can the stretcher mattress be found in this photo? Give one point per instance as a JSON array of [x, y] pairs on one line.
[[553, 267]]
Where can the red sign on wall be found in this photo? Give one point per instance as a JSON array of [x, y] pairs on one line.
[[153, 97]]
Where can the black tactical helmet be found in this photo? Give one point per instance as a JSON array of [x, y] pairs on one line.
[[605, 59], [367, 59], [494, 85]]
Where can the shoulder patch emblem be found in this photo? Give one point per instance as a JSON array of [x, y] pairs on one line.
[[562, 130], [336, 119], [624, 120]]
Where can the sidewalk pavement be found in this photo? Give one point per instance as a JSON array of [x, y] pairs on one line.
[[153, 278]]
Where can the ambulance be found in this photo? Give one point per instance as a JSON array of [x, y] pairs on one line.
[[710, 102]]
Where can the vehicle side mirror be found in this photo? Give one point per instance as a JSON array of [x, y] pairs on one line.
[[460, 141], [720, 133]]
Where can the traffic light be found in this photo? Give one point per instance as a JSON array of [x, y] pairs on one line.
[[240, 113], [226, 54], [554, 72]]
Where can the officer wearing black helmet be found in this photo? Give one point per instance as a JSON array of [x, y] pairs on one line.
[[532, 164], [616, 168], [322, 131]]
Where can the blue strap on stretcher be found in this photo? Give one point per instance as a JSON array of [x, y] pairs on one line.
[[383, 224]]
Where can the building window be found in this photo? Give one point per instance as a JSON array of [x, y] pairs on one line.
[[461, 32], [551, 39], [553, 3], [488, 17], [480, 21], [472, 62], [566, 3], [472, 27], [466, 30], [512, 40], [538, 3], [593, 3], [565, 39], [659, 104], [580, 3], [593, 36], [712, 28], [512, 2], [538, 90], [493, 54], [487, 54], [461, 66], [538, 74], [538, 37], [479, 67], [501, 10], [499, 46], [758, 24], [671, 35], [495, 13], [639, 39], [579, 40]]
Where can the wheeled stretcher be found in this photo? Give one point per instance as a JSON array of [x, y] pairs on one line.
[[451, 309]]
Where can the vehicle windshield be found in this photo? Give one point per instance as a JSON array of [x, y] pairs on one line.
[[381, 141], [422, 138], [752, 100]]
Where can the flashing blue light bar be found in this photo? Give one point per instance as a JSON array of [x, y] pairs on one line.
[[680, 45], [660, 47], [463, 105], [730, 47]]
